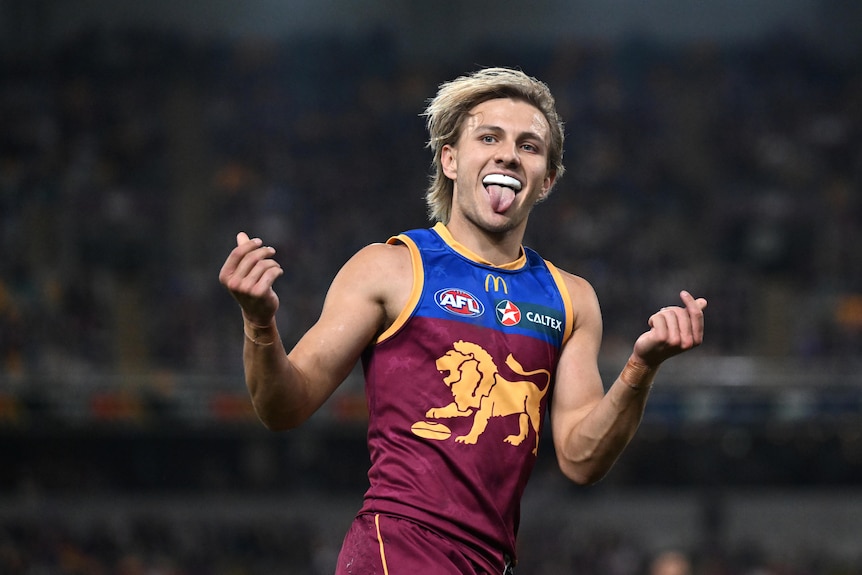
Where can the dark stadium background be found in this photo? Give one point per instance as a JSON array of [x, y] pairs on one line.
[[715, 146]]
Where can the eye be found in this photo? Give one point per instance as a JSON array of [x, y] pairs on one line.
[[488, 139]]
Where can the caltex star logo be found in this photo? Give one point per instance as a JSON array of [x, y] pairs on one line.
[[508, 313]]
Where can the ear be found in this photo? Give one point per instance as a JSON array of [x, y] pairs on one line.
[[449, 161], [548, 184]]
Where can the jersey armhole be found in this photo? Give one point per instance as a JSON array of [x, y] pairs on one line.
[[415, 292], [567, 300]]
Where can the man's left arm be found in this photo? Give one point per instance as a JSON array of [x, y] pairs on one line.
[[591, 428]]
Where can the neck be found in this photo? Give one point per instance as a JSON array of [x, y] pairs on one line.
[[496, 247]]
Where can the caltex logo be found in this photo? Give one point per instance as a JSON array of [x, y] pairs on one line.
[[508, 313]]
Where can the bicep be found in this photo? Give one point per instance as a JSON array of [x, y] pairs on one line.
[[354, 312], [578, 386]]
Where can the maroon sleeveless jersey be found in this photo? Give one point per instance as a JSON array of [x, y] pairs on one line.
[[457, 391]]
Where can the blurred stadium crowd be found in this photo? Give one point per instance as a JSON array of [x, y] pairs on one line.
[[156, 547], [77, 540], [129, 160]]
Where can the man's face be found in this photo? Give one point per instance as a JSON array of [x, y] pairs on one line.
[[499, 164]]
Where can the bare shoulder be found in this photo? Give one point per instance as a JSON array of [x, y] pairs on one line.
[[381, 272], [578, 287], [391, 253], [585, 302], [381, 263]]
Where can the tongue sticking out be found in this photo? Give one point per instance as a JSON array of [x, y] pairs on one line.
[[501, 191], [501, 197]]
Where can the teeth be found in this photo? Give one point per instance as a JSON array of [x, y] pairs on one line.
[[502, 180]]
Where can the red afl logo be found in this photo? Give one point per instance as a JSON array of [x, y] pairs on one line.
[[459, 302], [508, 313]]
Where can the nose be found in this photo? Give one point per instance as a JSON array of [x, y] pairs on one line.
[[507, 154]]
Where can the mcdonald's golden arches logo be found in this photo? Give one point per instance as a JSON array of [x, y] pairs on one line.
[[497, 281]]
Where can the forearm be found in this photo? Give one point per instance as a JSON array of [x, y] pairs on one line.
[[278, 390], [594, 444]]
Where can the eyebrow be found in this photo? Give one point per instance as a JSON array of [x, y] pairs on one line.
[[522, 135]]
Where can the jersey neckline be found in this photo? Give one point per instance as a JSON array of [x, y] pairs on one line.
[[460, 248]]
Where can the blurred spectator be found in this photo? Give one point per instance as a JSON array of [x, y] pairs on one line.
[[670, 563]]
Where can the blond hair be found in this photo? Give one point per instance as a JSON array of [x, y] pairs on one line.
[[447, 111]]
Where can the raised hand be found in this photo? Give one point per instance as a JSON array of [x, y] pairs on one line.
[[248, 273], [673, 330]]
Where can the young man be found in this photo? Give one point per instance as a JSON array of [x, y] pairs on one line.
[[466, 337]]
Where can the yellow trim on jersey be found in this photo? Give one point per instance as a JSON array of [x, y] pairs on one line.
[[415, 293], [567, 300], [447, 237], [380, 541]]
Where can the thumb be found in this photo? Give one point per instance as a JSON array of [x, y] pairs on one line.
[[241, 238]]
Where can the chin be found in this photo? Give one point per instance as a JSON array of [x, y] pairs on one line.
[[500, 227]]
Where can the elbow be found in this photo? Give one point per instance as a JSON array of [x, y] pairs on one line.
[[274, 419], [586, 469], [272, 424], [583, 477]]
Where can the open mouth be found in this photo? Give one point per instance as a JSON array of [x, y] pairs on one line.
[[501, 190]]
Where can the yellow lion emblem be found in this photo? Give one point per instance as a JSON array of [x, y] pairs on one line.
[[479, 390]]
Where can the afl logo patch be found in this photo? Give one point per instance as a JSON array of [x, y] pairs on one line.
[[459, 302], [508, 313]]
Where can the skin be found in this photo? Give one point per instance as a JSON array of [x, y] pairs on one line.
[[500, 136], [590, 427], [670, 563]]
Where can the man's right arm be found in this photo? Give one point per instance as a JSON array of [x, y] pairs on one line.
[[286, 388]]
